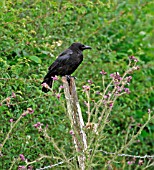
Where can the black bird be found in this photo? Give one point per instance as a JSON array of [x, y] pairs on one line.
[[66, 63]]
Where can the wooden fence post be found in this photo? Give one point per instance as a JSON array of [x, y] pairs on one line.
[[77, 123]]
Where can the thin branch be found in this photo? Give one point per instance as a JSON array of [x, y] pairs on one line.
[[57, 164], [9, 132], [107, 153], [127, 155], [38, 159], [133, 137]]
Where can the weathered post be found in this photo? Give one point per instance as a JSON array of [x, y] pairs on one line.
[[77, 123]]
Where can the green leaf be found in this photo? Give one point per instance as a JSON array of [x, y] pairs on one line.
[[35, 59]]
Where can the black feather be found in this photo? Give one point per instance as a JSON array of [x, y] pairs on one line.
[[66, 63]]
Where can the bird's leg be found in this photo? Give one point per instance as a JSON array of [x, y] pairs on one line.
[[68, 77]]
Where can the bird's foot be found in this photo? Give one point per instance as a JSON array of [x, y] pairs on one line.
[[69, 77]]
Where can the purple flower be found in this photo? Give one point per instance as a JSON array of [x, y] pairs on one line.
[[127, 90], [58, 96], [30, 110], [35, 125], [118, 89], [20, 167], [30, 167], [11, 120], [149, 111], [116, 82], [107, 95], [134, 68], [140, 162], [139, 125], [24, 114], [61, 86], [128, 79], [116, 77], [90, 81], [104, 102], [22, 157], [133, 58], [8, 99], [103, 72], [71, 132], [137, 67], [13, 95], [112, 75], [45, 85], [38, 124], [97, 92], [129, 162], [86, 88], [136, 60], [111, 104], [55, 78]]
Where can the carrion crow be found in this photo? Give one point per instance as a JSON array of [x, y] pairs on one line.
[[66, 63]]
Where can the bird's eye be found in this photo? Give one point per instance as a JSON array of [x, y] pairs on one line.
[[81, 47]]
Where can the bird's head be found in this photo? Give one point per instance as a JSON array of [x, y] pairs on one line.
[[79, 46]]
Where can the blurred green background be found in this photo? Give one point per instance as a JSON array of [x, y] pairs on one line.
[[33, 33]]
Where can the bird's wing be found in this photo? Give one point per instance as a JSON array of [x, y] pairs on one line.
[[65, 53], [62, 58]]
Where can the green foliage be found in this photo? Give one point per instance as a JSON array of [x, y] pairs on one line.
[[33, 33]]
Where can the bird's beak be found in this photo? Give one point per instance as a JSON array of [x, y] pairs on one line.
[[86, 47]]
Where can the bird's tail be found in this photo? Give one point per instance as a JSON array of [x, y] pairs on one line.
[[48, 82]]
